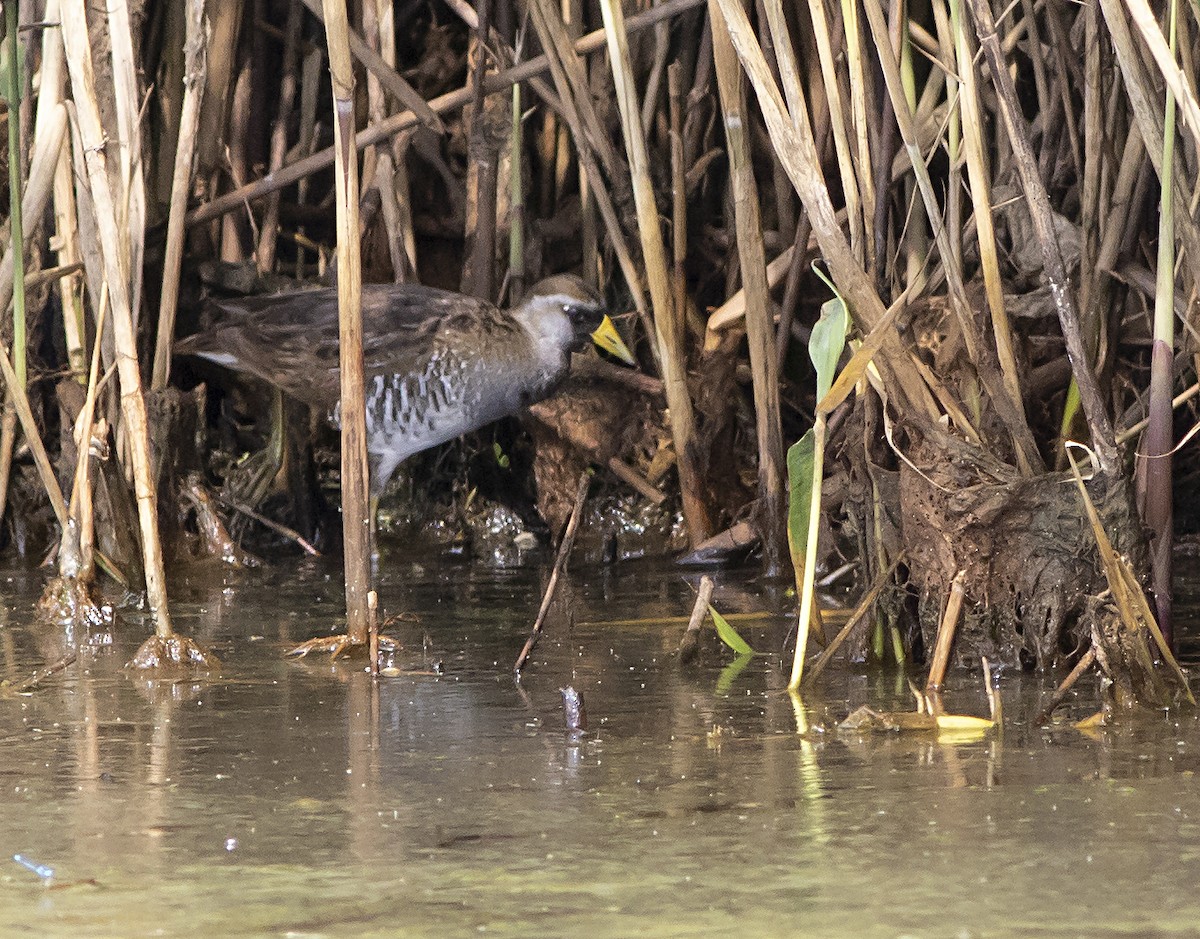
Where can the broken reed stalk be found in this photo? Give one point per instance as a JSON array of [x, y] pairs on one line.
[[93, 139], [560, 565], [945, 633], [689, 642], [356, 522], [289, 533], [670, 333], [373, 632], [483, 165], [1060, 693], [189, 120], [772, 495]]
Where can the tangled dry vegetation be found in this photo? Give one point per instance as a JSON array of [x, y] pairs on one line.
[[981, 182]]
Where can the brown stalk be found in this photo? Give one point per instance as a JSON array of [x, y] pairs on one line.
[[669, 328], [689, 642], [189, 121], [502, 80], [1099, 424], [378, 28], [1003, 391], [92, 135], [678, 190], [387, 76], [772, 495], [269, 235], [486, 126], [355, 511], [945, 634], [861, 609], [1086, 661]]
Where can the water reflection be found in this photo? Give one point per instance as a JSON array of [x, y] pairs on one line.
[[287, 797]]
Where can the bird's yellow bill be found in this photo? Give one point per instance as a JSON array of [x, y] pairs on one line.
[[608, 339]]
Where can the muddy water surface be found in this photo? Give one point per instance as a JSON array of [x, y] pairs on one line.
[[286, 798]]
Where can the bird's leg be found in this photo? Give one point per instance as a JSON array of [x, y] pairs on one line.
[[253, 477]]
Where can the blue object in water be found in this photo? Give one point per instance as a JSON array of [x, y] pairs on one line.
[[42, 870]]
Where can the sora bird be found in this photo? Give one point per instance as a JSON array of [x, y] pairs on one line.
[[437, 364]]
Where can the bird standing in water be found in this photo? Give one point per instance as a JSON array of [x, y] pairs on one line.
[[437, 364]]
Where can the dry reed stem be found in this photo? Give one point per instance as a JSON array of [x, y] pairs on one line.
[[128, 98], [501, 81], [979, 178], [81, 490], [689, 642], [20, 401], [48, 142], [1103, 442], [1147, 106], [945, 634], [1005, 396], [356, 522], [268, 238], [772, 495], [579, 115], [379, 31], [792, 137], [670, 333], [839, 120], [678, 190], [1123, 585], [194, 57], [92, 136], [859, 85], [1086, 661], [66, 242]]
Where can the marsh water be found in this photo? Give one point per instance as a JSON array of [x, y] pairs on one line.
[[299, 798]]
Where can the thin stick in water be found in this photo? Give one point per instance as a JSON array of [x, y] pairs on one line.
[[560, 565]]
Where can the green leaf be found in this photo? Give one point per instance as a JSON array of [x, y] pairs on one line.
[[728, 634], [827, 342], [800, 477]]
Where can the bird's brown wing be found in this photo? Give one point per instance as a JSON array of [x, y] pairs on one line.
[[291, 339]]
